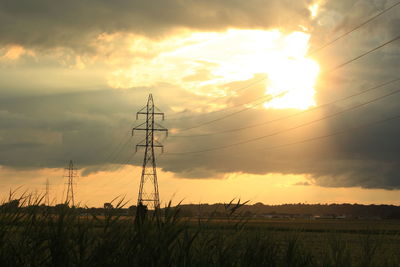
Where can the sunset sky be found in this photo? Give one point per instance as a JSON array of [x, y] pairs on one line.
[[259, 102]]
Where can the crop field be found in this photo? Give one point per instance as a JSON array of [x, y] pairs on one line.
[[32, 235], [353, 240]]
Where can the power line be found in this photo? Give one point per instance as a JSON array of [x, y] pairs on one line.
[[121, 165], [312, 52], [353, 29], [119, 170], [348, 130], [220, 110], [116, 153], [126, 162], [288, 129], [236, 112], [334, 134], [325, 72], [364, 54], [113, 154], [291, 115]]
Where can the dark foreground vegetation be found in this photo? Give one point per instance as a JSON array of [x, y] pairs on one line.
[[32, 234]]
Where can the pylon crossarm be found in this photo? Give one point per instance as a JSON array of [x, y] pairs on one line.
[[144, 129], [137, 128], [154, 113], [155, 145]]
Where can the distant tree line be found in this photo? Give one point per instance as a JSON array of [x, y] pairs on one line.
[[350, 210], [256, 210]]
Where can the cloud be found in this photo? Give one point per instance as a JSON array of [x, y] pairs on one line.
[[65, 127], [75, 24], [305, 183], [43, 126]]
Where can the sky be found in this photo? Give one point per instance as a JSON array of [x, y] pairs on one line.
[[262, 100]]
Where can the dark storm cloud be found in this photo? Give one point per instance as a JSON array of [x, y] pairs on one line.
[[75, 23]]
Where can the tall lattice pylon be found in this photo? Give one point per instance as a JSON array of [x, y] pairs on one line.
[[47, 195], [148, 189], [70, 200]]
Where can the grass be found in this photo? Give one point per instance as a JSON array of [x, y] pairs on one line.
[[31, 235]]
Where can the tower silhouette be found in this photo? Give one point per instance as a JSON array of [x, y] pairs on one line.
[[70, 191], [148, 188], [47, 195]]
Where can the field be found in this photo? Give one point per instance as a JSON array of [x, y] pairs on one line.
[[31, 234], [323, 238]]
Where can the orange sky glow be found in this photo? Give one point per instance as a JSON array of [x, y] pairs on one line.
[[272, 189]]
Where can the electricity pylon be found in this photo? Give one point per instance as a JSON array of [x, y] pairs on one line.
[[148, 189], [70, 191], [47, 196]]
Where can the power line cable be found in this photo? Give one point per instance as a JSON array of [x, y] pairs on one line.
[[348, 130], [364, 54], [325, 72], [288, 129], [290, 115], [126, 162], [119, 169], [353, 29], [110, 147], [115, 154], [311, 53], [235, 113], [172, 117]]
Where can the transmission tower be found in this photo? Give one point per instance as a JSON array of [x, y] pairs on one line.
[[47, 196], [148, 189], [70, 191]]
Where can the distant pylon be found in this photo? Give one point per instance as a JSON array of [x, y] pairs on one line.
[[47, 196], [148, 189], [70, 191]]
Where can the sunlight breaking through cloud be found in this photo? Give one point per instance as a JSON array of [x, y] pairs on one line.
[[204, 62]]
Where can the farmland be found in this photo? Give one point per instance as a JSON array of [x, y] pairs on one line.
[[34, 235]]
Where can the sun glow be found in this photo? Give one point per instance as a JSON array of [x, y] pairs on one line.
[[314, 10], [293, 81], [204, 63], [291, 75]]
